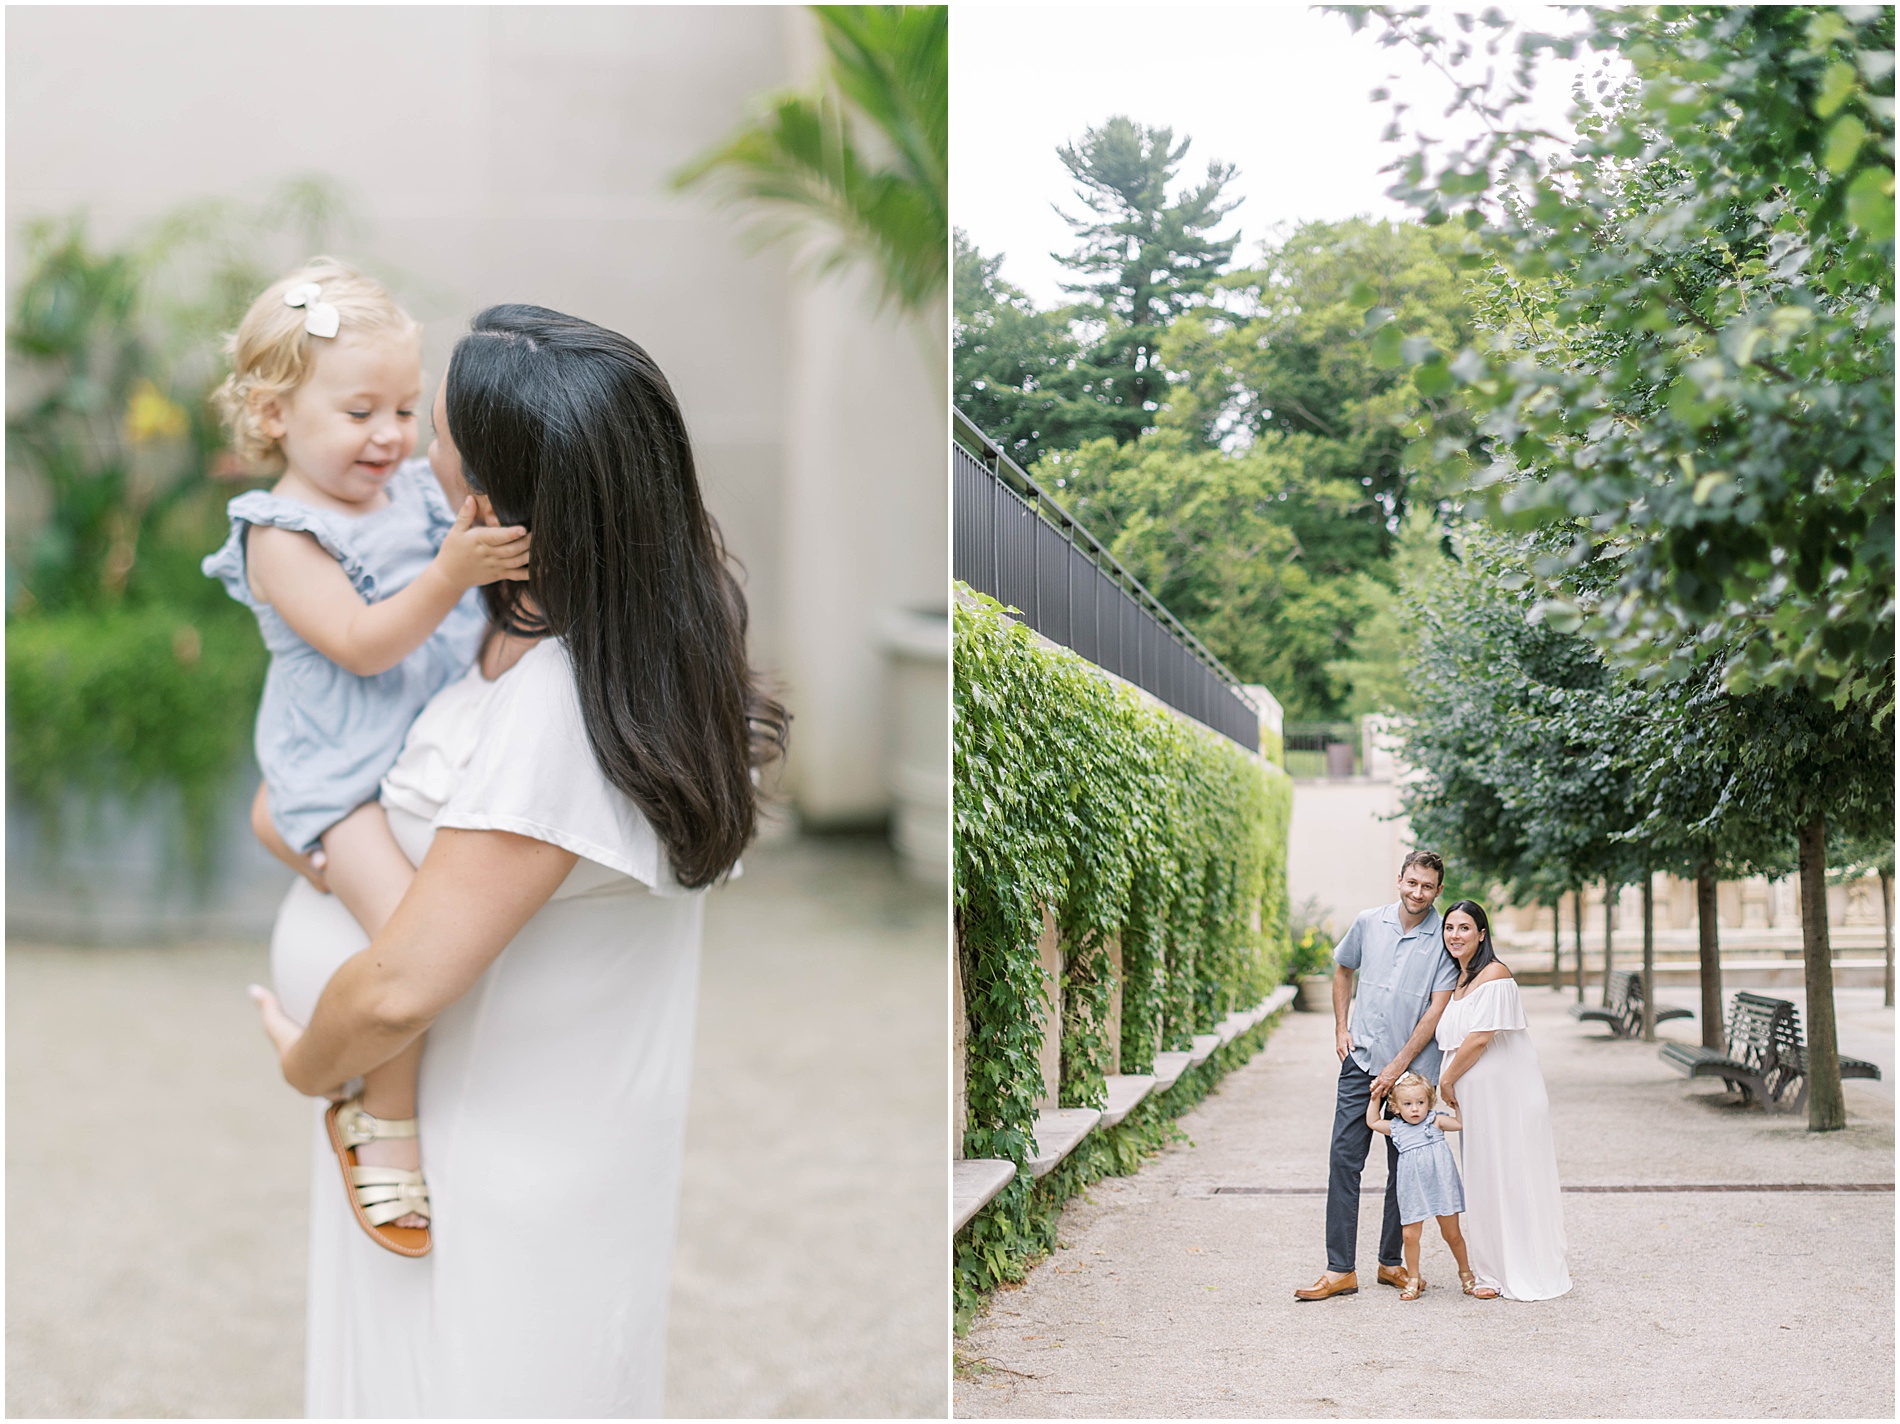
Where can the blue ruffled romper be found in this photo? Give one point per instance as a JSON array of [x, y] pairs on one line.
[[1428, 1174], [325, 736]]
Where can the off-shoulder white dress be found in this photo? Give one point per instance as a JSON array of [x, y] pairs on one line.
[[1514, 1215], [552, 1095]]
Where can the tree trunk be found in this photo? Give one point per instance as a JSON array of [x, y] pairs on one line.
[[1557, 950], [1886, 918], [1827, 1108], [1576, 905], [1609, 905], [1709, 951], [1649, 956]]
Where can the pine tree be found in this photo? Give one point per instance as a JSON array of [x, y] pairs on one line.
[[1141, 261]]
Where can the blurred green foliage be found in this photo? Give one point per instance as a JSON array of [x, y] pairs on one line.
[[128, 701], [804, 173], [128, 671]]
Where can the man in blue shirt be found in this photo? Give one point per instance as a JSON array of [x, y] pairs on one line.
[[1405, 981]]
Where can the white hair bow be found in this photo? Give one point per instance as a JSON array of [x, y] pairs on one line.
[[320, 318]]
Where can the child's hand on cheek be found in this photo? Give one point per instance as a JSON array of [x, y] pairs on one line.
[[478, 550]]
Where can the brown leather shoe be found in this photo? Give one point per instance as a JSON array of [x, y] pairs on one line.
[[1392, 1276], [1322, 1288]]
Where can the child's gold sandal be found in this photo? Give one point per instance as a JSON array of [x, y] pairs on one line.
[[1472, 1288], [1414, 1288], [379, 1195]]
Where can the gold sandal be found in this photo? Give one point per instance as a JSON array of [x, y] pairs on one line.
[[1469, 1281], [378, 1195], [1414, 1288]]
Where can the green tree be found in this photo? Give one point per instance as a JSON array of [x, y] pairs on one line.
[[1278, 350], [1820, 773], [1203, 530], [1855, 856], [1518, 733], [806, 175], [1696, 820], [1015, 365], [1142, 259], [1379, 667], [1693, 317]]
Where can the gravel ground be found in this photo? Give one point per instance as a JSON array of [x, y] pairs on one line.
[[157, 1167], [1165, 1300]]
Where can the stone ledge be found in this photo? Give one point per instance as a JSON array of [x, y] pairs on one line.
[[1058, 1130], [1168, 1069], [1125, 1090], [975, 1183], [1204, 1046]]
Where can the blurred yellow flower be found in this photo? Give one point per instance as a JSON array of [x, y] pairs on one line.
[[150, 416]]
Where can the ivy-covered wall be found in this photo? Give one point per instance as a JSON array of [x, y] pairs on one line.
[[1075, 793]]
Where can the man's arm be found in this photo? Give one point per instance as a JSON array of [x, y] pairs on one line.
[[1342, 1005], [1421, 1036]]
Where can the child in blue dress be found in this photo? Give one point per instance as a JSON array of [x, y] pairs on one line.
[[1428, 1175], [360, 573]]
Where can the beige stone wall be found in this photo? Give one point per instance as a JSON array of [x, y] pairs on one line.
[[1049, 947]]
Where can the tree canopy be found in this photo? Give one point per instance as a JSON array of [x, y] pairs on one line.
[[1691, 318]]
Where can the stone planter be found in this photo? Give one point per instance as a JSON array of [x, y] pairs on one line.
[[1316, 994], [116, 875], [917, 643]]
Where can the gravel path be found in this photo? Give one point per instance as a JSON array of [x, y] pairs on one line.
[[1167, 1300], [157, 1167]]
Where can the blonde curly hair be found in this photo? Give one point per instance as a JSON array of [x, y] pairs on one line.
[[271, 353]]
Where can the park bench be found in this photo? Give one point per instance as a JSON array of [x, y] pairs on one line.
[[1765, 1058], [1624, 1013]]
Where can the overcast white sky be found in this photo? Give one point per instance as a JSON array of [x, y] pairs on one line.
[[1279, 90]]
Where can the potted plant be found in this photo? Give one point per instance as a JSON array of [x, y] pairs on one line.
[[1310, 965]]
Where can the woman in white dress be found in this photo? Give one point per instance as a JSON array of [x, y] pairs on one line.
[[1514, 1221], [566, 804]]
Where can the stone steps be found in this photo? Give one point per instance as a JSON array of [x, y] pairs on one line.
[[1059, 1131]]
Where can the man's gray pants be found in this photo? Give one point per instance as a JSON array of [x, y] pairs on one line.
[[1352, 1141]]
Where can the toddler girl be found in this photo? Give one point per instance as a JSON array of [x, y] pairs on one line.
[[1428, 1177], [359, 572]]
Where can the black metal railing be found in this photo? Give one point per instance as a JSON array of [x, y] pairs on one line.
[[1022, 548]]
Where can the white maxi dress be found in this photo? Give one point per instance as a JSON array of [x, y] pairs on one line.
[[552, 1096], [1514, 1216]]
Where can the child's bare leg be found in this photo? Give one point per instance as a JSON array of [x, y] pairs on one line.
[[1413, 1232], [370, 874], [1455, 1238]]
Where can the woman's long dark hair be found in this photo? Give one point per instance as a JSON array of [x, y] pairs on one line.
[[1485, 953], [572, 431]]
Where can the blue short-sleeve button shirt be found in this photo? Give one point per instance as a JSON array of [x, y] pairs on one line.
[[1398, 972]]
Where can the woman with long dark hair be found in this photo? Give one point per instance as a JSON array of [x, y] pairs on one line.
[[1514, 1222], [565, 804]]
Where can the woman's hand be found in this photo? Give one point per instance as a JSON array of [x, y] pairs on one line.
[[282, 1030], [310, 867], [1450, 1098]]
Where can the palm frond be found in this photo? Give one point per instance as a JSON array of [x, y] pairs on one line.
[[800, 170]]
